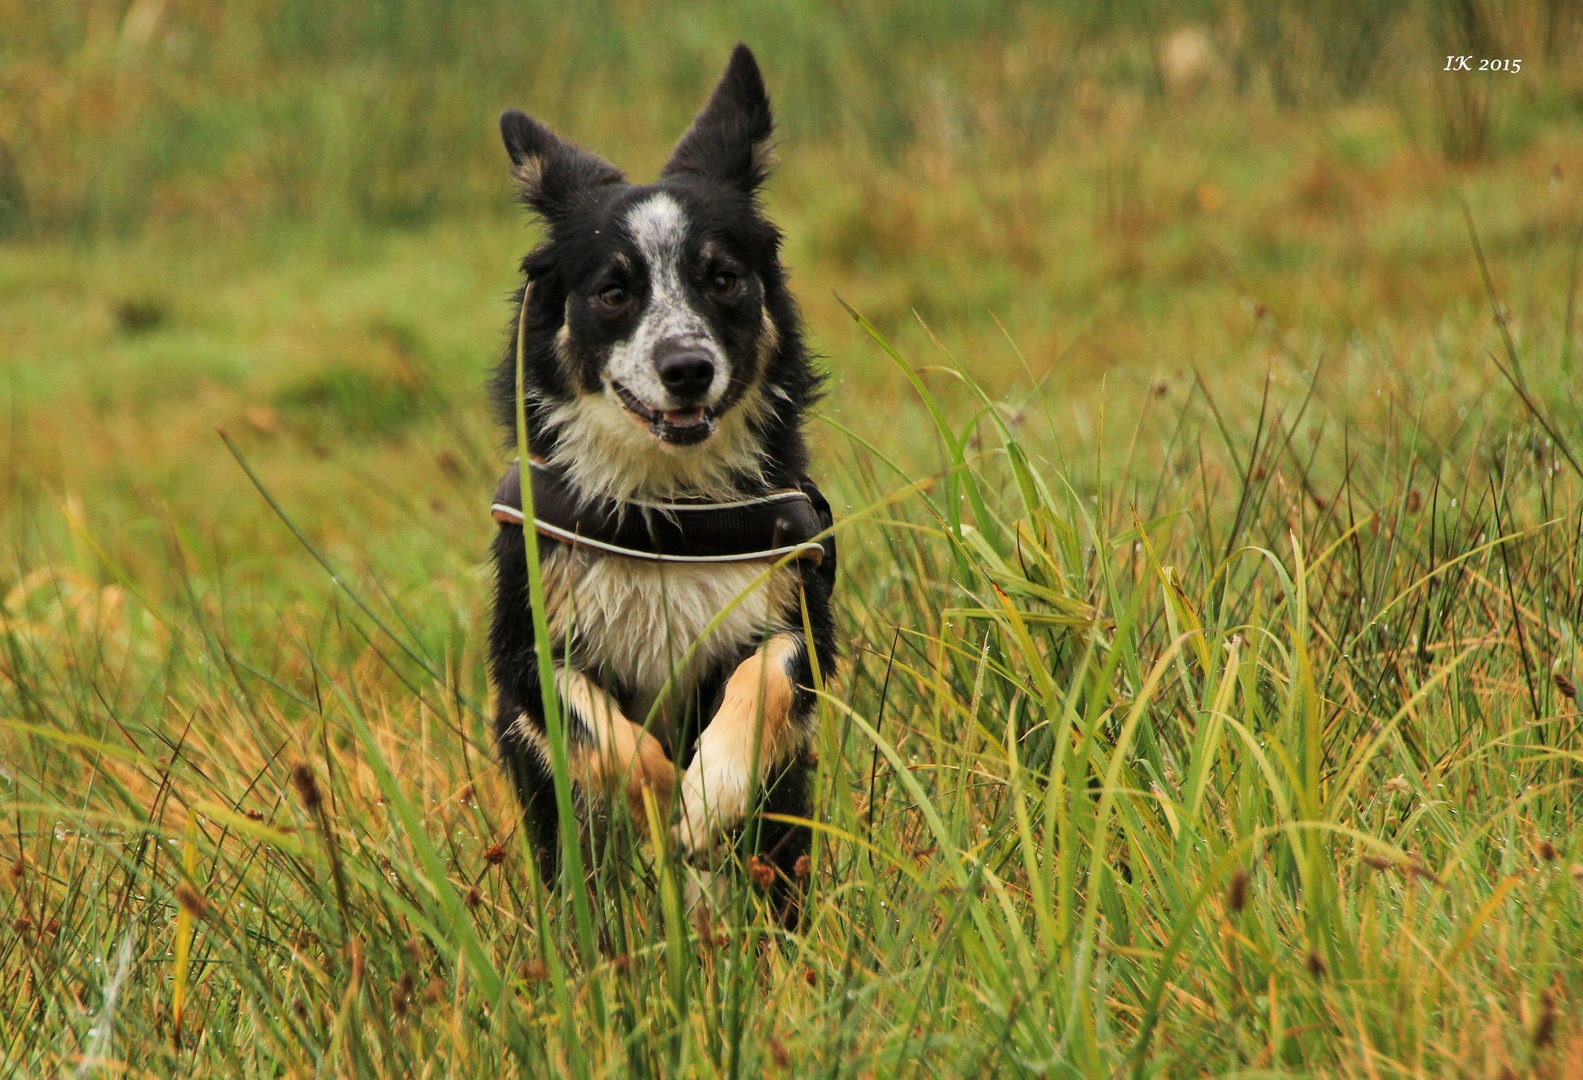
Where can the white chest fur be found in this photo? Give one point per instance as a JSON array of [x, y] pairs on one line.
[[638, 619]]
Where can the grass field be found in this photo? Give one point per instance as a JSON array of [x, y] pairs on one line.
[[1209, 472]]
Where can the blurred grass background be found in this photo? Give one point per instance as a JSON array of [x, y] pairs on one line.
[[1205, 259]]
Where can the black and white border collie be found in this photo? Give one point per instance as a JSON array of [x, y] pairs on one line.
[[663, 360]]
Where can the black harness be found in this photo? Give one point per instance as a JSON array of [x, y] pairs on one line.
[[762, 528]]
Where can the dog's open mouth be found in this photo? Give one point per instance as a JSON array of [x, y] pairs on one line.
[[679, 427]]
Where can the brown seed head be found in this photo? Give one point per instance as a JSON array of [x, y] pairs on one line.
[[802, 868], [495, 854], [467, 794], [474, 897], [622, 962], [1237, 890], [24, 925], [433, 992], [809, 977], [1315, 964], [762, 873], [778, 1052], [703, 922], [401, 996], [1545, 1026], [192, 901], [18, 867], [253, 815], [1564, 683], [1547, 851], [1379, 862], [534, 971], [52, 927], [307, 785]]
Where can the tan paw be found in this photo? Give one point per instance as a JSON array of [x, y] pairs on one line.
[[714, 795]]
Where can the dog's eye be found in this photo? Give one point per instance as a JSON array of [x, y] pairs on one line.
[[724, 283], [612, 296]]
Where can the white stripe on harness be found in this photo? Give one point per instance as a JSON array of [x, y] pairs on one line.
[[511, 512]]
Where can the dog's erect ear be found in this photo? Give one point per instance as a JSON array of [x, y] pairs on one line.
[[550, 171], [730, 140]]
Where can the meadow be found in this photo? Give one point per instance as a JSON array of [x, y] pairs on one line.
[[1204, 433]]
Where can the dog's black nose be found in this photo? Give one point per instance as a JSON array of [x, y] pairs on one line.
[[686, 374]]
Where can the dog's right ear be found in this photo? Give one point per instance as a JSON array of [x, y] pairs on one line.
[[550, 172]]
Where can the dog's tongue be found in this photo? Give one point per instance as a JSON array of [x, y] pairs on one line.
[[683, 417]]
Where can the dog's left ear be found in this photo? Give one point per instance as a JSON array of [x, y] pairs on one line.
[[730, 139]]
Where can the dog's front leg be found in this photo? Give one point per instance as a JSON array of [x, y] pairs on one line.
[[757, 728], [608, 752]]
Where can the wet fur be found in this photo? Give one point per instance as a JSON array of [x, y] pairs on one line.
[[618, 626]]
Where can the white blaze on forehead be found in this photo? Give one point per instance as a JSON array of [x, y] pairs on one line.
[[659, 228]]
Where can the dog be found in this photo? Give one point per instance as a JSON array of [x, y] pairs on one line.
[[665, 380]]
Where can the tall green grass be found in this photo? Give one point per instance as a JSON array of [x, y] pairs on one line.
[[1255, 751]]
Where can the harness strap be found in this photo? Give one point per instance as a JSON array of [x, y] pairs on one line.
[[764, 527]]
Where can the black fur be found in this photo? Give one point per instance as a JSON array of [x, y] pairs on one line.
[[714, 175]]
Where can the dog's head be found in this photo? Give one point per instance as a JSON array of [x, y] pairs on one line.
[[663, 351]]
